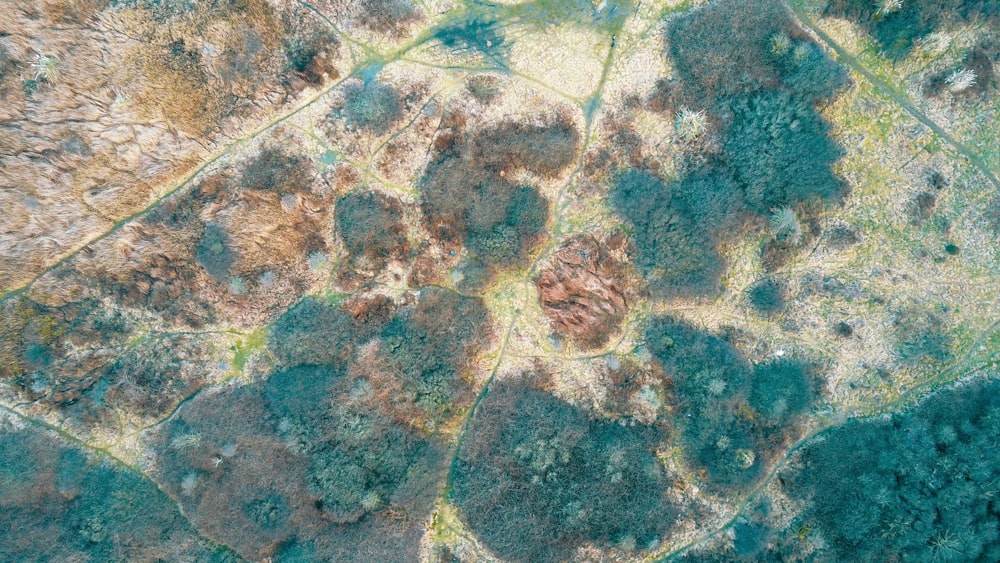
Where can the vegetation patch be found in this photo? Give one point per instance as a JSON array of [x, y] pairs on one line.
[[304, 461], [558, 479], [767, 297], [582, 290], [750, 69], [371, 225], [897, 26], [372, 106], [466, 194], [61, 503], [675, 253], [920, 485], [734, 417]]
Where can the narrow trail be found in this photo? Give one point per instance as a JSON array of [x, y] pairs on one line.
[[900, 98], [961, 367]]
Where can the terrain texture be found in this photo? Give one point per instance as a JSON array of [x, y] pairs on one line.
[[549, 280]]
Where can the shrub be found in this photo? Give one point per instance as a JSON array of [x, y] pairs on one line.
[[723, 49], [432, 343], [357, 457], [310, 57], [544, 150], [767, 297], [371, 225], [898, 30], [214, 253], [373, 106], [465, 196], [59, 503], [732, 416], [274, 169], [386, 16], [317, 332], [555, 479]]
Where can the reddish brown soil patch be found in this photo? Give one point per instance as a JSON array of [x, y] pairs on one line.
[[582, 291]]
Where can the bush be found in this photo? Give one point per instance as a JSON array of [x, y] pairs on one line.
[[544, 150], [536, 479], [373, 106], [358, 458], [466, 198], [386, 16], [371, 225], [317, 332], [306, 462], [767, 297], [58, 503], [214, 253], [274, 169], [898, 30], [432, 343]]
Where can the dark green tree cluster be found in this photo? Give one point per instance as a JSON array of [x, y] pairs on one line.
[[58, 503], [536, 478], [327, 454], [675, 253], [308, 460], [920, 485], [734, 417], [426, 346], [358, 456], [431, 344], [755, 75]]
